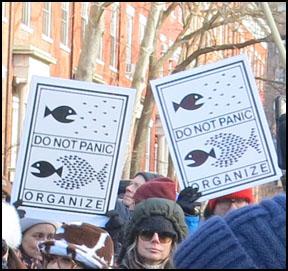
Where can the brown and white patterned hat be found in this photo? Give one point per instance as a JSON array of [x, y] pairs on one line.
[[85, 243]]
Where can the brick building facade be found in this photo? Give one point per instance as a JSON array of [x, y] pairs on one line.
[[45, 38]]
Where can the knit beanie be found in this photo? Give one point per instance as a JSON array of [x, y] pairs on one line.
[[27, 223], [148, 175], [246, 194], [87, 244], [252, 237], [157, 188], [158, 224]]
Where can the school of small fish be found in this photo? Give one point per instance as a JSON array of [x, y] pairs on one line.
[[80, 173], [232, 147]]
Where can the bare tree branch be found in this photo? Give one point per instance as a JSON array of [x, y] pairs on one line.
[[207, 50]]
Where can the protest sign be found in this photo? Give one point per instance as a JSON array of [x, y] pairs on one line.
[[71, 154], [216, 129]]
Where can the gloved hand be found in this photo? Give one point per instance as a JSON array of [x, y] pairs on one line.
[[115, 220], [187, 200]]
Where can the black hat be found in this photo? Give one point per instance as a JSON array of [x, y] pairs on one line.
[[157, 223]]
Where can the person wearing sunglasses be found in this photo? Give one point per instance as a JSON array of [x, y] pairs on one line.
[[151, 236]]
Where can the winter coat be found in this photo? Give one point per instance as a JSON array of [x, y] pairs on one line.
[[154, 207]]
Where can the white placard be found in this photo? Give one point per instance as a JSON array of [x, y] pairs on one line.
[[216, 128], [72, 151]]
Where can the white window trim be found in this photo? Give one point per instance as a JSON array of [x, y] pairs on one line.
[[113, 69], [130, 10], [67, 27], [46, 38], [4, 16], [49, 21], [65, 48], [26, 28]]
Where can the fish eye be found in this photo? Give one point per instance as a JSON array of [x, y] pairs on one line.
[[69, 111], [37, 165]]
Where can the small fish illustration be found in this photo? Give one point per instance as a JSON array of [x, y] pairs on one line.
[[189, 102], [45, 169], [80, 173], [233, 147], [61, 113], [199, 157]]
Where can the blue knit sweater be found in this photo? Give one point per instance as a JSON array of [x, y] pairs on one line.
[[251, 237]]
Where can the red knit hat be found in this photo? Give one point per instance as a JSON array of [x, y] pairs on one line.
[[246, 194], [157, 188]]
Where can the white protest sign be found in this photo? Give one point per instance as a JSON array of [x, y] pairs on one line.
[[216, 129], [72, 151]]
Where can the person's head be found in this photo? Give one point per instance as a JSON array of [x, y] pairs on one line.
[[161, 187], [78, 246], [33, 232], [122, 188], [156, 226], [139, 179], [222, 205]]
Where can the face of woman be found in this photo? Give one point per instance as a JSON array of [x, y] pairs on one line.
[[155, 250], [37, 233]]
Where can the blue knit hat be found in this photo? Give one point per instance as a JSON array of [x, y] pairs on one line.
[[250, 237]]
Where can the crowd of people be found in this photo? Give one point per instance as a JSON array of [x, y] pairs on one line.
[[153, 226]]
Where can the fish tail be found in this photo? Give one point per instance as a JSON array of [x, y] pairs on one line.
[[59, 171], [176, 106], [47, 111], [212, 153], [253, 141]]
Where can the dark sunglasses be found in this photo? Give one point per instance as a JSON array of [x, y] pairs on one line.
[[164, 237]]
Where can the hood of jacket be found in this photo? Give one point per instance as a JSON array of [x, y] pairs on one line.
[[155, 207]]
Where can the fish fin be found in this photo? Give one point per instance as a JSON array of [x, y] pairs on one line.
[[212, 153], [176, 106], [59, 171], [47, 111]]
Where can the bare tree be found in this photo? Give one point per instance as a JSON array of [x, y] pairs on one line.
[[94, 29], [213, 17]]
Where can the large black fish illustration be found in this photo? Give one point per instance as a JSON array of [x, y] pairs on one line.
[[45, 169], [189, 102], [61, 113], [80, 173], [199, 157], [232, 147]]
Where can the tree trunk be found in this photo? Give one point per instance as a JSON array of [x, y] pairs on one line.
[[94, 29], [139, 77]]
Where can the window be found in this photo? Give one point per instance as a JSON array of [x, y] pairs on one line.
[[84, 19], [142, 25], [130, 14], [46, 24], [64, 23], [26, 10], [4, 11], [114, 28], [100, 48]]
